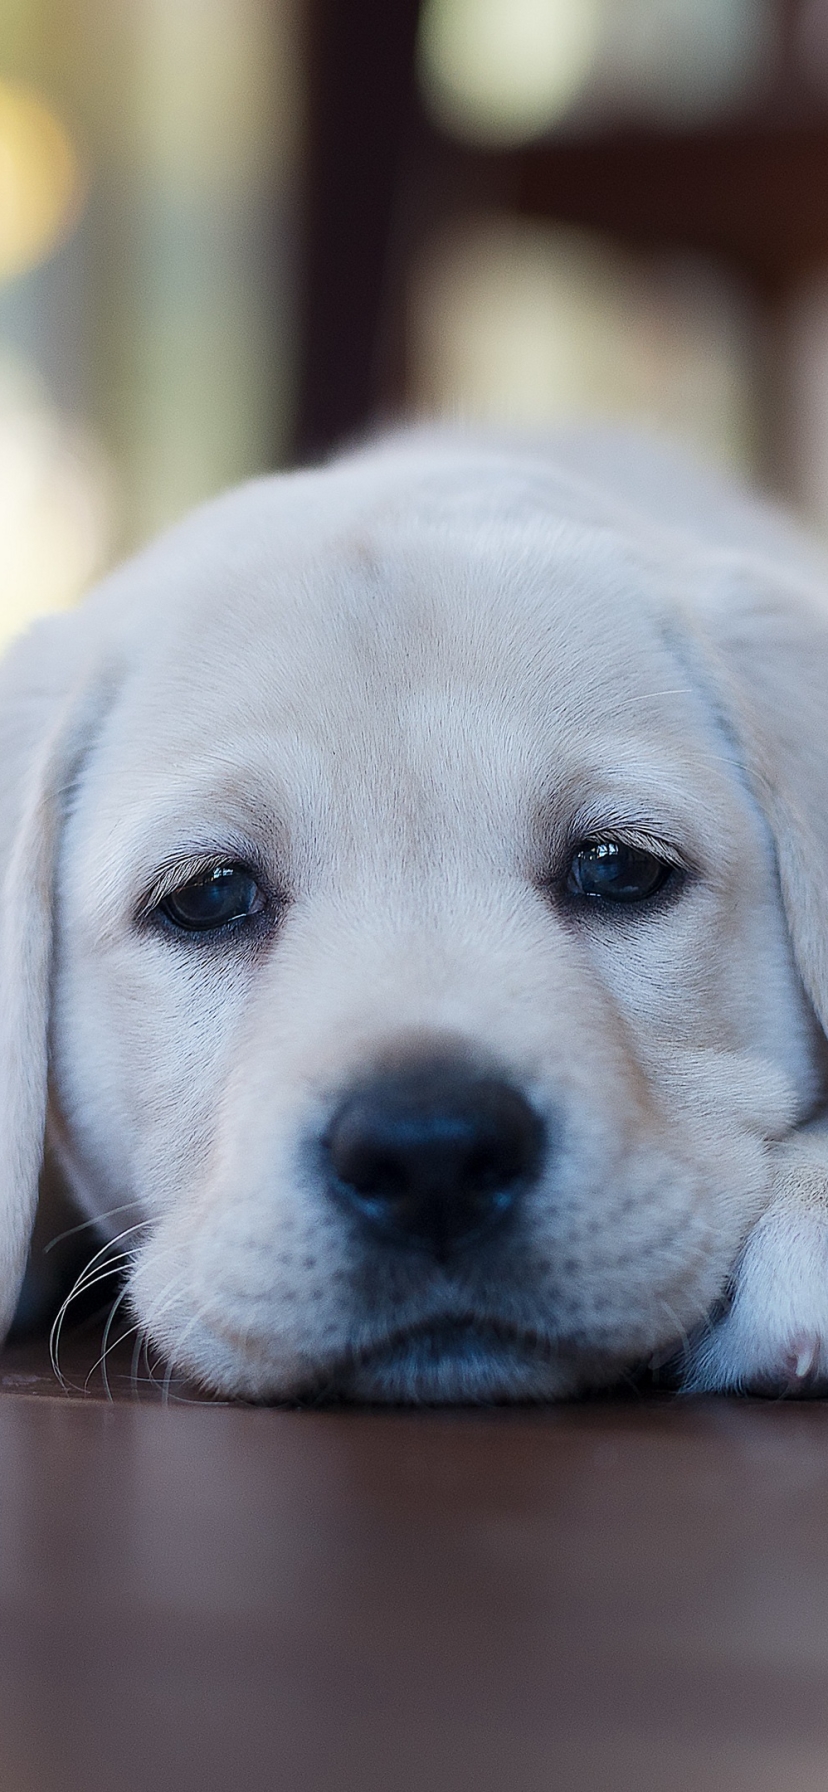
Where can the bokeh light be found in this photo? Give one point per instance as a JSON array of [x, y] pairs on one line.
[[56, 504], [682, 64], [518, 323], [41, 185], [55, 484], [145, 356], [503, 71]]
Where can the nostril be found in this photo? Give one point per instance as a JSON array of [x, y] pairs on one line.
[[434, 1156]]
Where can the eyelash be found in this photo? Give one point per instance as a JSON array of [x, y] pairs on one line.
[[676, 869], [176, 877], [151, 910], [175, 873]]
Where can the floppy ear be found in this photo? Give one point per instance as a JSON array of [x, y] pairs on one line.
[[49, 696], [764, 637]]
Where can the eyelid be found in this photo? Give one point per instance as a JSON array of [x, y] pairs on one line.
[[638, 839], [180, 871]]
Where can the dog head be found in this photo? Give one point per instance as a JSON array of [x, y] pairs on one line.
[[414, 921]]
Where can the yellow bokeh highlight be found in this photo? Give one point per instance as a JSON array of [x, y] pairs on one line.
[[41, 183]]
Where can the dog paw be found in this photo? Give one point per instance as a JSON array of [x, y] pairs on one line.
[[774, 1337], [736, 1359]]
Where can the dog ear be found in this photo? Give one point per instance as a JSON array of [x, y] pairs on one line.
[[49, 697], [764, 637]]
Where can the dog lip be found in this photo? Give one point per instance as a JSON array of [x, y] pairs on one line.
[[450, 1331], [448, 1357]]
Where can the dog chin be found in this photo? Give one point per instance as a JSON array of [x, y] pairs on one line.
[[453, 1363], [448, 1362]]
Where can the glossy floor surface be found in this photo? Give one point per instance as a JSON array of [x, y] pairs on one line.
[[615, 1597]]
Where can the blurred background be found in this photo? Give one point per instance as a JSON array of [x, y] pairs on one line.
[[234, 233]]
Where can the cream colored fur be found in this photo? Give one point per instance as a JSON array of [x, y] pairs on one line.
[[405, 684]]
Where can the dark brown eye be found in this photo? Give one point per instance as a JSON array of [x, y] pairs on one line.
[[224, 894], [617, 873]]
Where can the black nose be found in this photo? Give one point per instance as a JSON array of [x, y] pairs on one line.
[[434, 1155]]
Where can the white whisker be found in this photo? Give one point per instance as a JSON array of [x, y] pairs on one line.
[[97, 1220], [90, 1276], [101, 1362]]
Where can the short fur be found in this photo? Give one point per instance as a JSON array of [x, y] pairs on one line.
[[405, 686]]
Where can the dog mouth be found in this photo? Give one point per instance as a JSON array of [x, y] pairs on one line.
[[458, 1360]]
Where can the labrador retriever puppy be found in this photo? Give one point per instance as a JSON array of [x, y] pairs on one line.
[[415, 928]]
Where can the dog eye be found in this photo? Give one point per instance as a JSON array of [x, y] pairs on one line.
[[616, 872], [224, 894]]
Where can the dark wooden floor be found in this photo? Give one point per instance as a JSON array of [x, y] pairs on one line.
[[614, 1597]]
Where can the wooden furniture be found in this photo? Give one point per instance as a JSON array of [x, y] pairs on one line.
[[751, 190], [617, 1596]]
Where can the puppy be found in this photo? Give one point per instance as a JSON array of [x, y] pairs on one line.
[[415, 929]]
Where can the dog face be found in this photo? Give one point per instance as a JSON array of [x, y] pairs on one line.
[[422, 993]]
